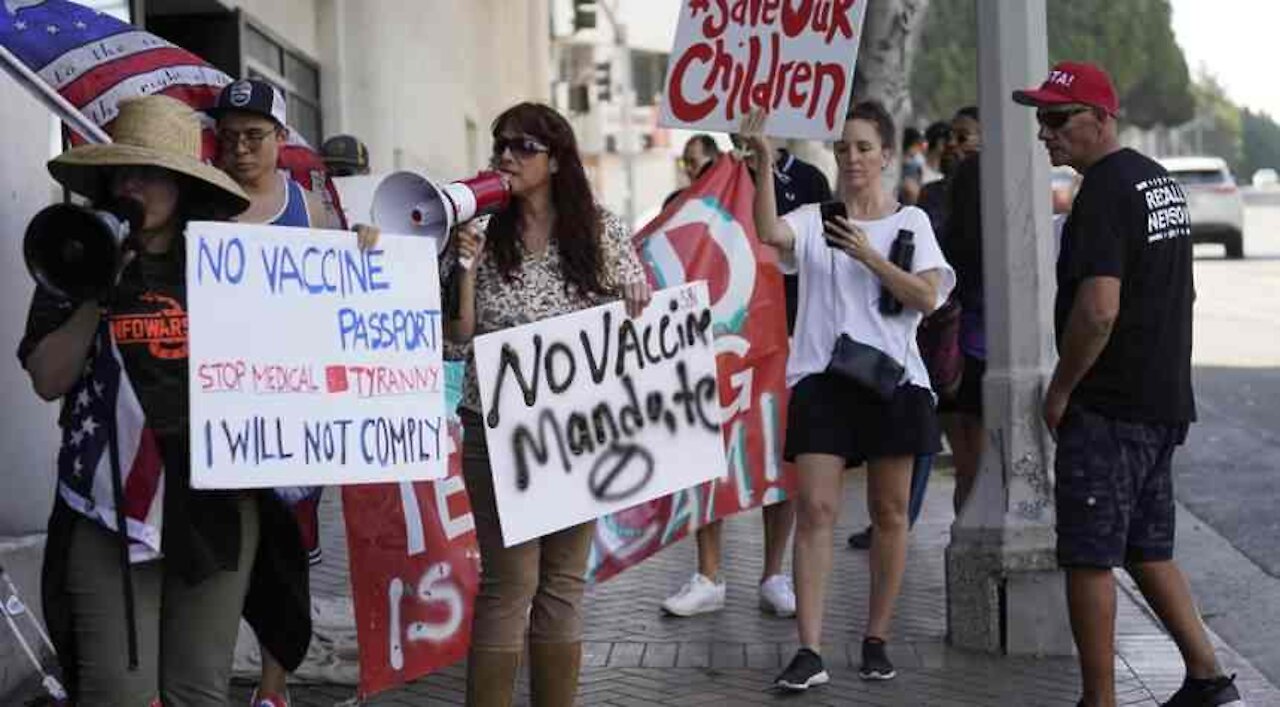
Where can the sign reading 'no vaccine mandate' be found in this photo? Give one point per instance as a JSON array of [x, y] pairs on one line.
[[593, 412], [793, 58]]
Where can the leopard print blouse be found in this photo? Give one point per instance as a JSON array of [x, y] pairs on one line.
[[537, 291]]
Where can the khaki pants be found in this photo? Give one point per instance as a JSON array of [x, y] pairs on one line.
[[535, 587], [186, 634]]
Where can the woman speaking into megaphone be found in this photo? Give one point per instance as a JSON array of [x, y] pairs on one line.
[[138, 565], [551, 252]]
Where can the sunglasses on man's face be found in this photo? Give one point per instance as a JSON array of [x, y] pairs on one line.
[[1056, 119], [521, 147]]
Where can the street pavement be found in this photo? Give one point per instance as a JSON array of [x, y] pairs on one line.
[[634, 656], [1226, 475]]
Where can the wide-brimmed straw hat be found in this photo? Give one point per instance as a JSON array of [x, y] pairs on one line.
[[154, 131]]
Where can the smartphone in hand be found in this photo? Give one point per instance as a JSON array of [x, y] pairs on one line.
[[830, 210]]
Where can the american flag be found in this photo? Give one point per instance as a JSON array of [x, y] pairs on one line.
[[94, 61], [103, 398]]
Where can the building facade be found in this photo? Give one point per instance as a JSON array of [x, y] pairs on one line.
[[418, 80]]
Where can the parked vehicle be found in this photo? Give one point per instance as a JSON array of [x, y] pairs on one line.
[[1214, 200], [1266, 178]]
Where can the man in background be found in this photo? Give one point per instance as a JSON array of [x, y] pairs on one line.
[[345, 156]]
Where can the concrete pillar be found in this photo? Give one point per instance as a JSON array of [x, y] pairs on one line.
[[1004, 592]]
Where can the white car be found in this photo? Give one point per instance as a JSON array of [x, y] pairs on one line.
[[1266, 178], [1213, 199]]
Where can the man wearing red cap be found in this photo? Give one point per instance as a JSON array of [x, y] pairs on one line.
[[1120, 399]]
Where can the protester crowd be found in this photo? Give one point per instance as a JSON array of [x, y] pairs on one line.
[[885, 313]]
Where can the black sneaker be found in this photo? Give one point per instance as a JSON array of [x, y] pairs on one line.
[[805, 671], [1206, 693], [861, 541], [875, 661]]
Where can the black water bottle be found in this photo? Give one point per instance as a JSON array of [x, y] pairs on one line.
[[900, 254]]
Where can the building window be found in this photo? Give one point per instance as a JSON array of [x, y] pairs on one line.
[[296, 77], [648, 71]]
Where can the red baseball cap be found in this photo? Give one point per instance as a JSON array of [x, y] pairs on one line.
[[1073, 82]]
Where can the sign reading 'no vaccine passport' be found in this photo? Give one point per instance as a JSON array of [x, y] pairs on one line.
[[313, 362]]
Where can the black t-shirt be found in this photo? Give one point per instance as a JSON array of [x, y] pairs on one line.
[[148, 318], [962, 244], [1130, 221], [795, 184]]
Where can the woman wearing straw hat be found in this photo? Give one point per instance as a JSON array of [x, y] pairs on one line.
[[150, 616]]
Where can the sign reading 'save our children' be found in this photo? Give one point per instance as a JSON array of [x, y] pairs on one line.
[[593, 412], [793, 58], [311, 361]]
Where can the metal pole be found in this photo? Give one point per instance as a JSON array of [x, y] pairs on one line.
[[52, 100], [626, 95]]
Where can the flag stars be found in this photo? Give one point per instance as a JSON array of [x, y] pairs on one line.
[[83, 399], [52, 29], [89, 426], [81, 25], [76, 438], [20, 25], [77, 467]]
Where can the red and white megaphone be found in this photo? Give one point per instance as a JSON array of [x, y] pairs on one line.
[[409, 203]]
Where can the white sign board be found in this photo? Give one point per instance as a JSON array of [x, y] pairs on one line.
[[793, 59], [593, 412], [312, 362]]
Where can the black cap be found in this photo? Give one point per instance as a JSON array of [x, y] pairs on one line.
[[251, 96], [345, 153]]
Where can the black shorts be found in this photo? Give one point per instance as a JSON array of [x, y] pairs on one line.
[[967, 399], [831, 415], [1114, 490]]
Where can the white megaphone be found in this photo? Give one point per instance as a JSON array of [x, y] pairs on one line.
[[409, 203]]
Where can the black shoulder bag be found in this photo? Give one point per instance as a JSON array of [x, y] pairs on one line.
[[861, 363]]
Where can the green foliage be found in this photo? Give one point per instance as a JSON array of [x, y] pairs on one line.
[[1132, 39], [1261, 143], [1222, 131]]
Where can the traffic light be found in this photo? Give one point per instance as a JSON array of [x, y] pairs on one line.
[[584, 15], [604, 81]]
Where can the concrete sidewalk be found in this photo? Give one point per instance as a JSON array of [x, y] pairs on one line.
[[635, 656]]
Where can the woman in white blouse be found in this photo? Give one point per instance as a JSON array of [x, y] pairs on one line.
[[836, 421]]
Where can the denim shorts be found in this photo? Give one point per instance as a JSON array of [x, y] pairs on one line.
[[1114, 490]]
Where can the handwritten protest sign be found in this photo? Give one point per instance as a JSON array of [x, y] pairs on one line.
[[593, 412], [793, 58], [311, 361]]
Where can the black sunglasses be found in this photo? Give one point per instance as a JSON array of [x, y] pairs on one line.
[[521, 147], [1055, 119]]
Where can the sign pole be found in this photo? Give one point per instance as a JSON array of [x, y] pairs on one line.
[[52, 100]]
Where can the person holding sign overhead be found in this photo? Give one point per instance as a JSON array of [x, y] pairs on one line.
[[553, 252], [869, 270], [147, 615]]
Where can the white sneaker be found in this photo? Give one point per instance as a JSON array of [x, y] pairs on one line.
[[698, 596], [778, 596]]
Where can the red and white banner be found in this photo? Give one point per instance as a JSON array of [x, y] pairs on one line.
[[414, 559], [414, 567], [708, 233], [793, 58]]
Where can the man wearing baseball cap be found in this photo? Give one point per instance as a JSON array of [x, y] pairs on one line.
[[251, 130], [1120, 399]]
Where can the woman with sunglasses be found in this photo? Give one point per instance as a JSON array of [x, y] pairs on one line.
[[553, 252], [148, 615], [853, 298]]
